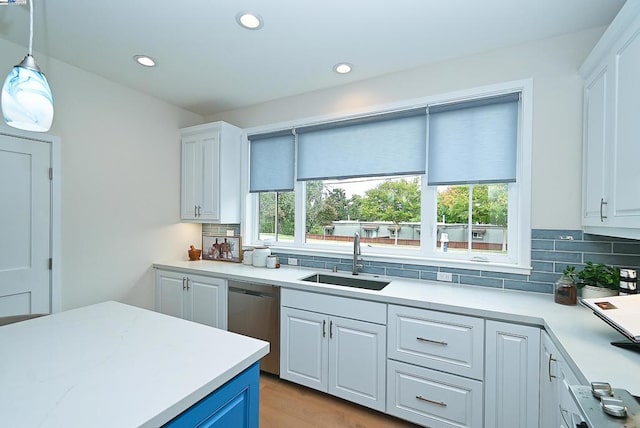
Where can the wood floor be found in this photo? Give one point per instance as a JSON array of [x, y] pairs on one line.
[[287, 405]]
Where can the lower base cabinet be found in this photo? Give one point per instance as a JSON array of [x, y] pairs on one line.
[[432, 398], [512, 373], [235, 404], [342, 356], [197, 298]]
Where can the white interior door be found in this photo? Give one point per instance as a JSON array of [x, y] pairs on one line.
[[25, 226]]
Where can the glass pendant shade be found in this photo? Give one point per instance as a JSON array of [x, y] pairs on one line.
[[27, 102]]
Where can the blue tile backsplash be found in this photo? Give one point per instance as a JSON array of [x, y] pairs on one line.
[[551, 251]]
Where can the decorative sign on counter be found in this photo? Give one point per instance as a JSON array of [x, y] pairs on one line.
[[222, 248]]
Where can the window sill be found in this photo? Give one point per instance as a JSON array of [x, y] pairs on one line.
[[428, 262]]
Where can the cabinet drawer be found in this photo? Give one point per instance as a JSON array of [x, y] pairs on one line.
[[432, 398], [447, 342]]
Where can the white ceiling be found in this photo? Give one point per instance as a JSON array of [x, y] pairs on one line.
[[208, 64]]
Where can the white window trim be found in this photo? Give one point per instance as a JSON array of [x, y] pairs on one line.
[[519, 204]]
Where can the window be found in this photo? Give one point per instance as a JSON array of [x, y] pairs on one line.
[[384, 211], [457, 170], [474, 217], [276, 216]]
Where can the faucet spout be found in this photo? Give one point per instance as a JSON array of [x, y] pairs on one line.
[[356, 253]]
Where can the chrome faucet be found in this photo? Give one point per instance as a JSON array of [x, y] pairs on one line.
[[356, 254]]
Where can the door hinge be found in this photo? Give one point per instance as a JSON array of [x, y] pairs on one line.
[[50, 263], [50, 173]]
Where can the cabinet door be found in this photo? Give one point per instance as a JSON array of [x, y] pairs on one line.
[[207, 300], [357, 361], [304, 348], [191, 183], [512, 368], [549, 382], [210, 178], [170, 293], [595, 199], [625, 150]]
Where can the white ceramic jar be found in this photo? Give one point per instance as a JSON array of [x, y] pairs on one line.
[[247, 257], [260, 255]]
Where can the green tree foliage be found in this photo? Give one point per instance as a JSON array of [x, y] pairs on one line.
[[337, 199], [394, 200], [285, 213], [489, 204]]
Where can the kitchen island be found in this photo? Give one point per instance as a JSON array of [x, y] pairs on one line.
[[114, 365]]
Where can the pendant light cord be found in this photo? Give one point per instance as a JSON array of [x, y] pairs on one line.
[[30, 26]]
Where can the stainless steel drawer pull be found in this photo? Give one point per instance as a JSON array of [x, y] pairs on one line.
[[550, 375], [602, 203], [437, 342], [438, 403]]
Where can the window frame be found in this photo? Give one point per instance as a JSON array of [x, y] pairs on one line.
[[519, 238]]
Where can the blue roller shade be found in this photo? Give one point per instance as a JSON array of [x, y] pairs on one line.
[[474, 141], [387, 144], [271, 162]]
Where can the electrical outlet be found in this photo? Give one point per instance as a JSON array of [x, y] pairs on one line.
[[442, 276], [293, 262]]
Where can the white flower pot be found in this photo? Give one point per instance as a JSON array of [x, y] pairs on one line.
[[591, 292]]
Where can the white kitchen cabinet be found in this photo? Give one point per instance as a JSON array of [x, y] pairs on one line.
[[438, 340], [512, 368], [611, 129], [435, 367], [549, 383], [210, 188], [192, 297], [342, 356], [433, 398], [557, 407]]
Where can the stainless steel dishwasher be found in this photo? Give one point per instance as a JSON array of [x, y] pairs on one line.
[[254, 310]]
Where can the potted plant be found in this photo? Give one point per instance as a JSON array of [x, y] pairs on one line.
[[598, 280], [565, 292]]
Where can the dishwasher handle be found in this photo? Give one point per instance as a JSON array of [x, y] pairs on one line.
[[252, 293]]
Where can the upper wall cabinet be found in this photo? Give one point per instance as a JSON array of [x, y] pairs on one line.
[[210, 190], [611, 134]]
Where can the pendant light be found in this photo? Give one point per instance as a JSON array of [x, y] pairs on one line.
[[27, 102]]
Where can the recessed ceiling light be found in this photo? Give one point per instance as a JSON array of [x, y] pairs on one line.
[[147, 61], [342, 68], [250, 21]]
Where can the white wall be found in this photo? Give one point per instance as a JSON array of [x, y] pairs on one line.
[[120, 183], [557, 128]]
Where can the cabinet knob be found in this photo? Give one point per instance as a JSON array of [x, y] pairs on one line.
[[324, 330], [184, 283], [330, 329], [195, 211]]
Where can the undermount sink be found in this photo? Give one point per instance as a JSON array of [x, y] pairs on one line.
[[346, 281]]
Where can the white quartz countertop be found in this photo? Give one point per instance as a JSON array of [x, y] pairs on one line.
[[582, 337], [113, 365]]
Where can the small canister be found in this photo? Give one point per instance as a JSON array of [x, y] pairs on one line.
[[247, 257], [272, 261], [628, 281]]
